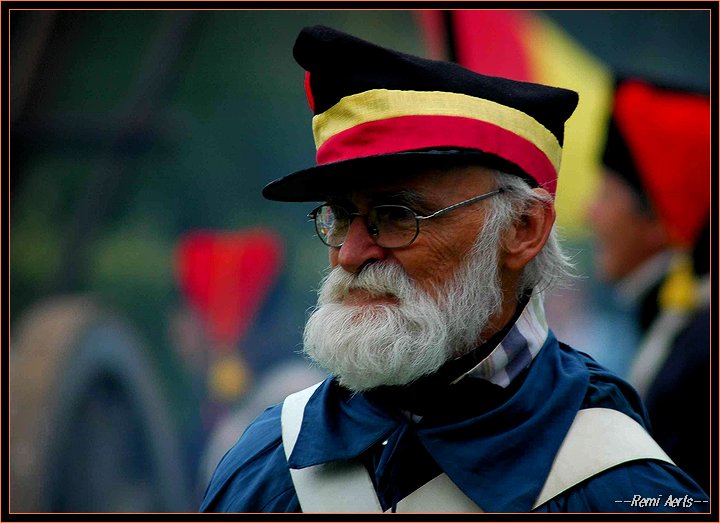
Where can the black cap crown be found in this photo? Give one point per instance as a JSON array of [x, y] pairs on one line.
[[376, 106]]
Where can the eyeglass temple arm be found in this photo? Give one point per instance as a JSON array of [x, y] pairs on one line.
[[461, 204]]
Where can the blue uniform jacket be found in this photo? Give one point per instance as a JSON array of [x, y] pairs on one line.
[[496, 444]]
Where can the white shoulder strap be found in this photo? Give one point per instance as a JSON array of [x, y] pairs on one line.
[[439, 494], [656, 348], [597, 440], [291, 417], [338, 486]]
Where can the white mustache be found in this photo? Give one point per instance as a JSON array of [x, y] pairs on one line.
[[377, 280]]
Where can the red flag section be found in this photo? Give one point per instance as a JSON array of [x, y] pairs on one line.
[[488, 40], [225, 276]]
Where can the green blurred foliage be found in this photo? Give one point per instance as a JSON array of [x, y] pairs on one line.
[[151, 166]]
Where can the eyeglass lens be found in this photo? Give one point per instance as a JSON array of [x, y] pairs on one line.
[[390, 225]]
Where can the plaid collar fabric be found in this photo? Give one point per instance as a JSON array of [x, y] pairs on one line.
[[517, 349]]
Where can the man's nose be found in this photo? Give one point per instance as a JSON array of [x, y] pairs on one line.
[[358, 250]]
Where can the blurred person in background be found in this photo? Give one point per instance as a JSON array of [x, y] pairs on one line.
[[651, 220], [448, 391]]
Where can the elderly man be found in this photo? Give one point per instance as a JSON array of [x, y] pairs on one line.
[[448, 392]]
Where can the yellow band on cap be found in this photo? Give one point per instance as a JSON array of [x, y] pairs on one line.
[[381, 104]]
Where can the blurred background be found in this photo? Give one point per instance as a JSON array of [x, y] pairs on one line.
[[157, 301]]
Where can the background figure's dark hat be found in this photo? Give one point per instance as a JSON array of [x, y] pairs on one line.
[[377, 112], [658, 141]]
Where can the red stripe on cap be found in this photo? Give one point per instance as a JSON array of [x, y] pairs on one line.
[[410, 133], [308, 92]]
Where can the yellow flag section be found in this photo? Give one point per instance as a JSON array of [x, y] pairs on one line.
[[556, 59]]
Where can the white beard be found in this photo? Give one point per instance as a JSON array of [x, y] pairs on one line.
[[366, 346]]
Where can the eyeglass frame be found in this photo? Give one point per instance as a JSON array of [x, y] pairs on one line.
[[312, 215]]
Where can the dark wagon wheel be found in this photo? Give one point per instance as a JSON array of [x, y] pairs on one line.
[[90, 427]]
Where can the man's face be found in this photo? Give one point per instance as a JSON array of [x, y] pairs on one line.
[[626, 234], [390, 316], [443, 243]]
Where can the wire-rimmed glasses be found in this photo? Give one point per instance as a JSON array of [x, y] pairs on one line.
[[391, 226]]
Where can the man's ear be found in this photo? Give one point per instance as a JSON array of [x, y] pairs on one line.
[[528, 235]]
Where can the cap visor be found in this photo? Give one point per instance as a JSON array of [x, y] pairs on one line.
[[322, 182]]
